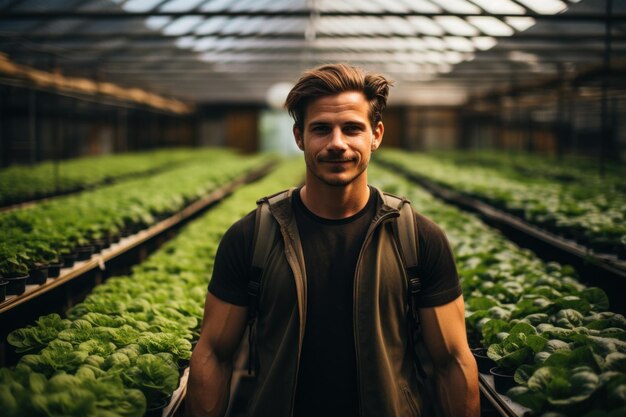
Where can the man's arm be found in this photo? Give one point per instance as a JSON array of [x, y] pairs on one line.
[[211, 367], [443, 330]]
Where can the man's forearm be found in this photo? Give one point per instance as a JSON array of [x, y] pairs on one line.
[[457, 389], [208, 388]]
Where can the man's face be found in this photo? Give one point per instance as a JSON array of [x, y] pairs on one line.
[[337, 138]]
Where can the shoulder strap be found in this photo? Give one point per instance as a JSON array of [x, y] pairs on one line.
[[405, 229], [265, 229]]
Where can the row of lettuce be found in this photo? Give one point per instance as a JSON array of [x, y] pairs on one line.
[[572, 201], [19, 183], [120, 348], [567, 352], [118, 353], [54, 231]]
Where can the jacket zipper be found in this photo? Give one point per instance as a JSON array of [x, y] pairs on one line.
[[368, 237]]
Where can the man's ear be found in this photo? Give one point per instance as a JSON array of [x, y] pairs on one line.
[[377, 135], [298, 137]]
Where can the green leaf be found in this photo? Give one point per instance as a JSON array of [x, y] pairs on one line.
[[596, 297], [531, 399], [491, 328], [523, 374], [615, 361]]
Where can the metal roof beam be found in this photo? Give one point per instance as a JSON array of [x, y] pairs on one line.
[[90, 37], [73, 14], [540, 47]]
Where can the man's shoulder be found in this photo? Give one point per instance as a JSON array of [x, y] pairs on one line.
[[426, 224], [242, 228]]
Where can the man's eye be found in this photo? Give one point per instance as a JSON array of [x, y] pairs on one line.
[[320, 129]]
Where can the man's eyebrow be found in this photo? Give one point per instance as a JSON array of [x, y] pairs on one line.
[[318, 123]]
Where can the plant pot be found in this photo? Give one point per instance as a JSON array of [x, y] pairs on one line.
[[69, 259], [17, 285], [155, 408], [105, 242], [37, 275], [54, 269], [182, 365], [502, 379], [84, 252], [484, 362], [3, 289]]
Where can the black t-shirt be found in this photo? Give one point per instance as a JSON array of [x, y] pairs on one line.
[[327, 379]]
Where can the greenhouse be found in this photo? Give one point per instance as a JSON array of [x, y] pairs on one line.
[[313, 208]]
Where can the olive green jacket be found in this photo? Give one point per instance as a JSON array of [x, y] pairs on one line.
[[387, 383]]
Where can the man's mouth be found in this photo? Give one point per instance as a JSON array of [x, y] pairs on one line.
[[336, 161]]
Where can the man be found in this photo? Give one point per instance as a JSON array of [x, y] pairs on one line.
[[331, 335]]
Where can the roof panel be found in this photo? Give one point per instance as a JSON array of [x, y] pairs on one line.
[[457, 6], [183, 25], [491, 26], [181, 5], [545, 6], [141, 5], [500, 6]]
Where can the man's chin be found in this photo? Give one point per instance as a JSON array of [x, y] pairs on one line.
[[338, 180]]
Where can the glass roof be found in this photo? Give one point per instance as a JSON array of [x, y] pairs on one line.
[[234, 50]]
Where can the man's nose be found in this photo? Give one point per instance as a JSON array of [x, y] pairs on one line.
[[337, 140]]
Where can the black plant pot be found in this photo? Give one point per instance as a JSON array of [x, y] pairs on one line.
[[69, 259], [97, 245], [502, 379], [155, 407], [483, 361], [182, 365], [84, 252], [38, 275], [54, 269], [3, 289], [17, 285]]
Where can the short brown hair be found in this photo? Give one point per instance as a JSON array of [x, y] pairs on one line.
[[331, 79]]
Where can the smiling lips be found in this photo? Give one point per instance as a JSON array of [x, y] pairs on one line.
[[343, 160]]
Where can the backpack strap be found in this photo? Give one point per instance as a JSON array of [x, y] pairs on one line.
[[405, 230], [265, 230]]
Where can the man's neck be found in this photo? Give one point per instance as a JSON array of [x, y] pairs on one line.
[[331, 202]]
